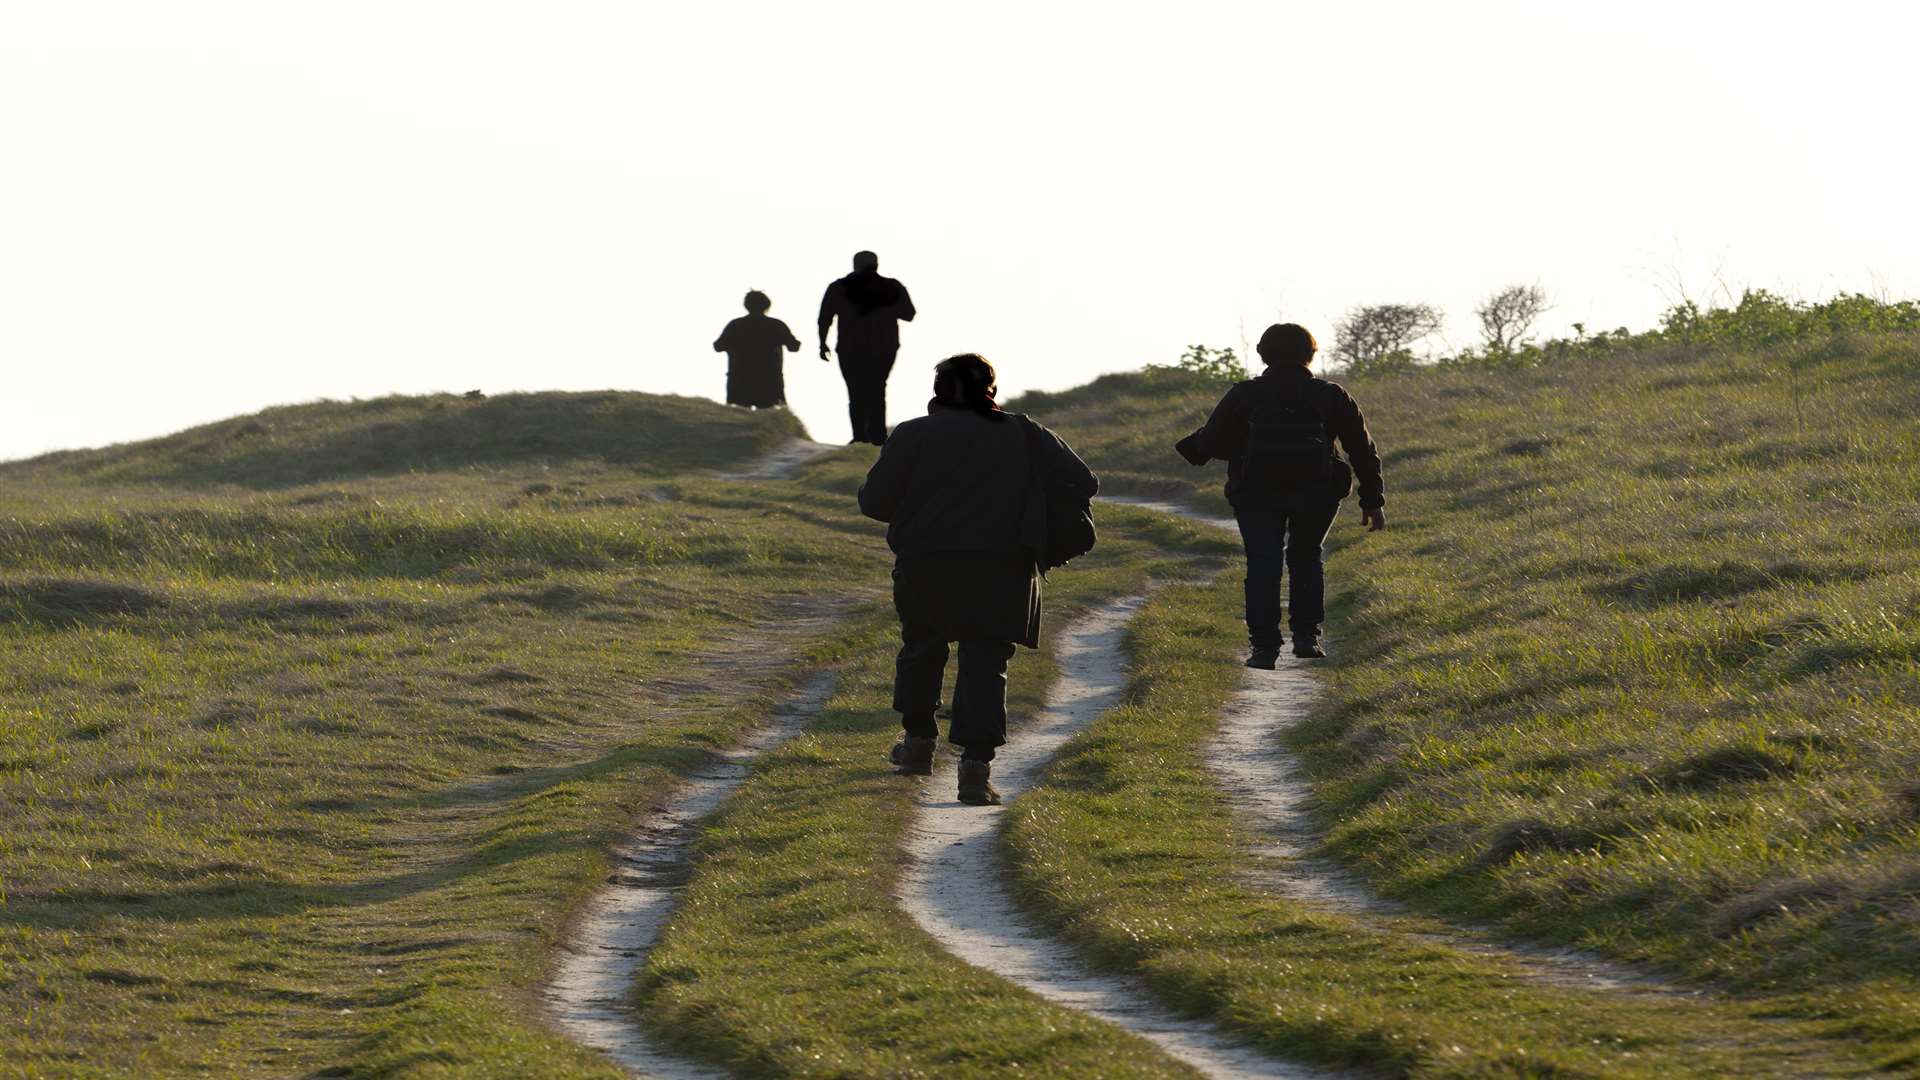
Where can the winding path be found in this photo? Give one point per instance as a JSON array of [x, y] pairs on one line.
[[589, 996], [955, 889], [1267, 786]]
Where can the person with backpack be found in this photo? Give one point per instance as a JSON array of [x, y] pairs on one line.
[[973, 500], [1285, 481]]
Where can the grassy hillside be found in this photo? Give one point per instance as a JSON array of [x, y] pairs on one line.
[[294, 777], [332, 440], [1637, 664]]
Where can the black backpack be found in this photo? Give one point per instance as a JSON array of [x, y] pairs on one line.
[[1288, 444], [1059, 524]]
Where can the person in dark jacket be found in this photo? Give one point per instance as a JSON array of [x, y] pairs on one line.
[[870, 309], [752, 343], [953, 488], [1286, 481]]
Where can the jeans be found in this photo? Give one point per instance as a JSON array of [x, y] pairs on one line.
[[866, 375], [1289, 534], [979, 692]]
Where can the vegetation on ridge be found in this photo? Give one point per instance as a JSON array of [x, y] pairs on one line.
[[1637, 665]]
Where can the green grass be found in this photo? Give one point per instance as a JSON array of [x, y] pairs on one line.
[[1635, 665], [334, 440], [1130, 851], [791, 957], [309, 779]]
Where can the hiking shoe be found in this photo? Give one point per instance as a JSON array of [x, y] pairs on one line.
[[1308, 649], [974, 789], [1263, 657], [913, 756]]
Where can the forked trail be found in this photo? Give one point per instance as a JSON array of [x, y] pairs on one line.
[[955, 889]]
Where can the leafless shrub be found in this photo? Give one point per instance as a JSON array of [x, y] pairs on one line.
[[1380, 337], [1508, 316]]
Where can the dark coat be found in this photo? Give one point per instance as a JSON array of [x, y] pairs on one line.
[[870, 309], [1225, 434], [953, 488], [754, 364]]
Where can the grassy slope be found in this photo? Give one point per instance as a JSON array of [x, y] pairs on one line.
[[791, 956], [309, 778], [330, 440], [1635, 665]]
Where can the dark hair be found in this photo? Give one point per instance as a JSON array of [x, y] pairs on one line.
[[967, 381], [757, 302], [1288, 342]]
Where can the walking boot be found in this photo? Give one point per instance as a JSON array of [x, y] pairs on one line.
[[1263, 657], [974, 789], [913, 756], [1307, 648]]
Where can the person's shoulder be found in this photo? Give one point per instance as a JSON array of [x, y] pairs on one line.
[[913, 428], [1331, 388]]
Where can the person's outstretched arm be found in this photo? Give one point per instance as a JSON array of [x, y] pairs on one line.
[[904, 309], [792, 343], [1224, 434], [1350, 427]]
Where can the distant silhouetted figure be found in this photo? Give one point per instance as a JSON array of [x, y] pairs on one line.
[[955, 488], [752, 343], [1285, 482], [870, 309]]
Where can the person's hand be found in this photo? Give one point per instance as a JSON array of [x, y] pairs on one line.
[[823, 350], [1374, 518]]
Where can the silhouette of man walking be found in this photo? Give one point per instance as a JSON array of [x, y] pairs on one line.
[[870, 309]]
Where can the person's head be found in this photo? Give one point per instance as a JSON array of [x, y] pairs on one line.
[[866, 260], [966, 381], [757, 302], [1287, 344]]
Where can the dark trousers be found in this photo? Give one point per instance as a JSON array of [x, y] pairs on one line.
[[1290, 535], [979, 691], [866, 375]]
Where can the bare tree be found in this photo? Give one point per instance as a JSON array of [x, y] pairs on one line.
[[1508, 316], [1380, 337]]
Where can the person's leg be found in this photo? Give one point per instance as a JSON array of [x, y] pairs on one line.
[[917, 674], [878, 375], [850, 374], [980, 698], [1308, 522], [1263, 533]]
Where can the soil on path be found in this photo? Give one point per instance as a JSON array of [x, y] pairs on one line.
[[954, 888]]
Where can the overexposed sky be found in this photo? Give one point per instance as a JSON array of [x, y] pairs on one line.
[[210, 208]]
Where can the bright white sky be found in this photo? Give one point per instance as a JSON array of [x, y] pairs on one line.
[[210, 208]]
